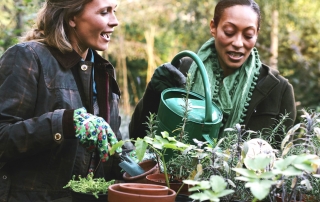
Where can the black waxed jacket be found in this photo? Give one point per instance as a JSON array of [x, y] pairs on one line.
[[39, 89], [272, 97]]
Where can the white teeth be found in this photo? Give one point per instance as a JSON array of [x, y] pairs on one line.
[[105, 35], [235, 54]]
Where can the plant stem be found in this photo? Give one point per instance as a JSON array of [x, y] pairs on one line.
[[165, 171]]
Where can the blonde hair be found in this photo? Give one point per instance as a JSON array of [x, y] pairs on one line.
[[52, 23]]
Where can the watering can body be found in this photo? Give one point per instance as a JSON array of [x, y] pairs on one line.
[[171, 112], [204, 117]]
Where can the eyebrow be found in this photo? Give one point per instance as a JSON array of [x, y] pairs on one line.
[[254, 27]]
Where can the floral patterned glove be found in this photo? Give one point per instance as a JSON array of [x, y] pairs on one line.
[[94, 132]]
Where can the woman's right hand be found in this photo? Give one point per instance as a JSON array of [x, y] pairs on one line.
[[167, 76], [94, 132]]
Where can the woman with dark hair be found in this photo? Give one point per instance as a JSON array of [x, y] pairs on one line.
[[248, 92], [59, 102]]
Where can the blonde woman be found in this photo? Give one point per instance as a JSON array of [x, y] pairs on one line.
[[59, 102]]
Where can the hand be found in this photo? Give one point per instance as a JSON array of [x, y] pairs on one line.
[[94, 132], [167, 76]]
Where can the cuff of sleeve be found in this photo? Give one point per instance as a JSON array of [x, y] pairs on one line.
[[68, 126]]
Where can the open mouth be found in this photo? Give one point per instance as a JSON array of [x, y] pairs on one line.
[[235, 55], [106, 35]]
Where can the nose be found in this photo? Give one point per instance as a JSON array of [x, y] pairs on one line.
[[113, 20], [238, 41]]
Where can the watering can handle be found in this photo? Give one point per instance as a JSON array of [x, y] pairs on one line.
[[176, 60]]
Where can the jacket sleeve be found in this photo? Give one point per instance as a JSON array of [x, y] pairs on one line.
[[21, 132], [149, 103], [288, 105]]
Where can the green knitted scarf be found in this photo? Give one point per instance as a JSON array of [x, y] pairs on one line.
[[231, 94]]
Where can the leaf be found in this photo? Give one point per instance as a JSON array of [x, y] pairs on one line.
[[141, 147], [307, 183], [199, 196], [259, 162], [304, 166], [225, 193], [245, 172], [116, 146], [245, 148], [226, 166], [292, 171], [165, 134], [148, 140], [245, 179], [219, 142], [287, 148], [267, 175], [260, 188], [317, 131], [293, 129], [204, 184], [284, 141], [294, 182], [217, 183], [191, 182], [316, 175], [231, 183], [229, 129], [282, 164]]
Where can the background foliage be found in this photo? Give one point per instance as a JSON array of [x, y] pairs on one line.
[[151, 32]]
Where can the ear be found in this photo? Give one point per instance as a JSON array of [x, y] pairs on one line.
[[72, 22], [213, 29]]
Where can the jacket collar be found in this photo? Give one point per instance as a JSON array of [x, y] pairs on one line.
[[70, 59], [268, 81]]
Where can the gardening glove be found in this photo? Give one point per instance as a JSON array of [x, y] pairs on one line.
[[94, 132], [167, 76]]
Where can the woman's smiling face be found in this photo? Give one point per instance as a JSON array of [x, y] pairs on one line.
[[92, 28], [235, 36]]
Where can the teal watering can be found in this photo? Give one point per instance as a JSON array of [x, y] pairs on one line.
[[204, 118]]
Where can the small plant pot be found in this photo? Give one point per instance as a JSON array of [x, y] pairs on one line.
[[85, 197], [159, 179], [149, 166], [145, 189], [116, 193]]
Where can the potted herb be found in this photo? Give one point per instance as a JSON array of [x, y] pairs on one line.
[[89, 188], [288, 174]]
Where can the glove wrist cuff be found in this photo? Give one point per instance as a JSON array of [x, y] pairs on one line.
[[68, 126]]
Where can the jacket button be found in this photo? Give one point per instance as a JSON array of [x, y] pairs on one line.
[[84, 67], [57, 136], [4, 177]]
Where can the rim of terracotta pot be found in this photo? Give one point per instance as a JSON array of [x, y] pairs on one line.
[[145, 189], [159, 179], [114, 190], [149, 166]]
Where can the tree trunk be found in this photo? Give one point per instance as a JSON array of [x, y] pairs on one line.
[[274, 39], [122, 65], [149, 35]]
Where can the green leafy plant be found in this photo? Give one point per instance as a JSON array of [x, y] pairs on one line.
[[264, 173], [89, 185], [159, 145], [211, 190]]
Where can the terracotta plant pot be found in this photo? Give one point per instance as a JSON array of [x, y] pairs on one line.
[[145, 189], [149, 166], [159, 179], [117, 194], [84, 197]]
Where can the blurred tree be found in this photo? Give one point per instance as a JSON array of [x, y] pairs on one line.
[[16, 16], [184, 24]]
